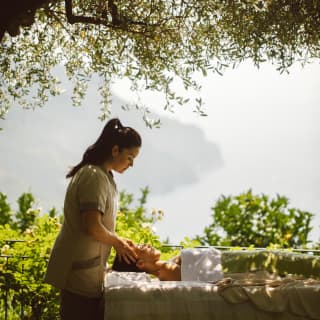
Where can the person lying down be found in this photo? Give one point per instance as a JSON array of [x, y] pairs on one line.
[[196, 264]]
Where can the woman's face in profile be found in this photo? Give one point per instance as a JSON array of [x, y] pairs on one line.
[[123, 159]]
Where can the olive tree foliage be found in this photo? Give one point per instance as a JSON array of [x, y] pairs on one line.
[[151, 43]]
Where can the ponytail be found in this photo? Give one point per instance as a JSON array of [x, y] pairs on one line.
[[114, 133]]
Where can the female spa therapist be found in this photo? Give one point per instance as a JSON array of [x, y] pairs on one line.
[[78, 258]]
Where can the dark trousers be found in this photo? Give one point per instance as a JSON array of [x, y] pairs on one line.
[[77, 307]]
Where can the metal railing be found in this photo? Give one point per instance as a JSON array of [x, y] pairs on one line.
[[308, 251], [7, 289]]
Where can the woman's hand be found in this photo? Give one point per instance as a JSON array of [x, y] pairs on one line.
[[94, 227], [125, 250]]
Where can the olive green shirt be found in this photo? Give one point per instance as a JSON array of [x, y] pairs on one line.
[[77, 262]]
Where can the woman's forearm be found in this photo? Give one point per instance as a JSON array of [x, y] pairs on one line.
[[94, 227]]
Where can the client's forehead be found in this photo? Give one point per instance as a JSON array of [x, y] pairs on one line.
[[142, 249], [142, 246]]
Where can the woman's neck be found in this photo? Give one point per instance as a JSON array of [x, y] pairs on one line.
[[167, 271], [107, 165]]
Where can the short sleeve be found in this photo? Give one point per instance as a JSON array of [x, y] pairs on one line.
[[93, 188]]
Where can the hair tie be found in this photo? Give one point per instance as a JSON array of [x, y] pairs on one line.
[[118, 126]]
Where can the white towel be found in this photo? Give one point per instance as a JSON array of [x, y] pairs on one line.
[[201, 264]]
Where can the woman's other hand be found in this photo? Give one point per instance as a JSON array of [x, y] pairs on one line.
[[125, 250]]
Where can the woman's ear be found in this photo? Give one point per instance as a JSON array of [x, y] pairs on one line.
[[115, 151]]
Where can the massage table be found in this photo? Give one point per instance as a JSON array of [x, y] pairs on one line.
[[251, 290]]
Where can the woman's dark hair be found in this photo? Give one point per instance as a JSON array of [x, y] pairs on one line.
[[122, 266], [113, 134]]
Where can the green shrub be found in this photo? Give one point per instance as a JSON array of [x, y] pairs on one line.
[[257, 220]]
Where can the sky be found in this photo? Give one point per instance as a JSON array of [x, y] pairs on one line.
[[261, 133], [266, 126]]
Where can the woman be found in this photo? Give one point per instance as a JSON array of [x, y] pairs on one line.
[[148, 260], [78, 258], [193, 264]]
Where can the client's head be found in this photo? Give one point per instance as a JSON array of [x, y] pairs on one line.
[[147, 258], [122, 266]]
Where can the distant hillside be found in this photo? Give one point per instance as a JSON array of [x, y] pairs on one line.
[[37, 147]]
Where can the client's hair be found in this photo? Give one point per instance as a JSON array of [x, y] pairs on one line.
[[122, 266]]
